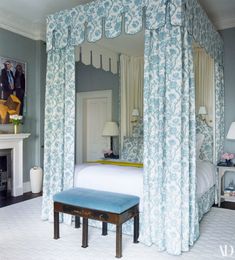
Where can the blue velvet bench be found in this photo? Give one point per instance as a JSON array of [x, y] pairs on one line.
[[107, 207]]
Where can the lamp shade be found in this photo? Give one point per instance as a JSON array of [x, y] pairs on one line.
[[110, 129], [135, 112], [231, 132], [202, 111]]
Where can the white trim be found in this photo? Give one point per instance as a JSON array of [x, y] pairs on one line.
[[15, 142], [21, 26], [80, 98], [26, 186], [226, 23]]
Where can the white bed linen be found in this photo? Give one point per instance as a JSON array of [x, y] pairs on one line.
[[129, 180], [120, 179]]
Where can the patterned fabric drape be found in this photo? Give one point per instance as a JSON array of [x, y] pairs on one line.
[[59, 126], [204, 34], [169, 142], [219, 110], [170, 215]]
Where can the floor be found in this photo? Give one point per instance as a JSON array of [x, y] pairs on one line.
[[24, 236], [6, 200]]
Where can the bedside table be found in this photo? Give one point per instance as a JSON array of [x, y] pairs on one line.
[[222, 170]]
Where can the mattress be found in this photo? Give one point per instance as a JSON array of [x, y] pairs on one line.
[[129, 180], [120, 179]]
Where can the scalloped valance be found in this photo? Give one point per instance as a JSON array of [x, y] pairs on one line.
[[107, 18], [203, 31]]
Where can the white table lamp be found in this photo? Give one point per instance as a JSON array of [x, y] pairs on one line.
[[110, 129], [231, 132]]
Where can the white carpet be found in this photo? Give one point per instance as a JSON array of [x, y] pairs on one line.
[[23, 236]]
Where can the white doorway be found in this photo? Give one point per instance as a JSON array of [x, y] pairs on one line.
[[94, 108]]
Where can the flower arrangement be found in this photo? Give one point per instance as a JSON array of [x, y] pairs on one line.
[[228, 156], [16, 119]]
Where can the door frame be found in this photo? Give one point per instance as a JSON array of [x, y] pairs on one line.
[[81, 97]]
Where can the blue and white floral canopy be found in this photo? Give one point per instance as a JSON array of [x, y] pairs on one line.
[[170, 219]]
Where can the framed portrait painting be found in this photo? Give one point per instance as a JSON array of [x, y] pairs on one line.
[[12, 88]]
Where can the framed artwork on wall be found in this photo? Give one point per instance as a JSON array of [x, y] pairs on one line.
[[12, 88]]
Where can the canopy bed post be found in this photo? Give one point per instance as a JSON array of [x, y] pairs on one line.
[[219, 110], [59, 126], [169, 140]]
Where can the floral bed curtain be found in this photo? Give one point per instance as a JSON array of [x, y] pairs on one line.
[[170, 215], [59, 126]]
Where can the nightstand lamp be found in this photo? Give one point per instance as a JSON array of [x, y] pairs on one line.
[[202, 112], [231, 132], [110, 129]]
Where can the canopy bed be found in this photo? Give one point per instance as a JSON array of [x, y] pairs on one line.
[[169, 157]]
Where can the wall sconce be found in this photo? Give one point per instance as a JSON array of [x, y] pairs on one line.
[[231, 132], [110, 130], [135, 114], [202, 113]]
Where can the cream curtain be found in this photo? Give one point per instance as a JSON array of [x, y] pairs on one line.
[[131, 81], [204, 82]]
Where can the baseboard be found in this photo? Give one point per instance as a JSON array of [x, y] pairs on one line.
[[26, 186]]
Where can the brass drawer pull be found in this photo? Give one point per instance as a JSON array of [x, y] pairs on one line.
[[103, 217]]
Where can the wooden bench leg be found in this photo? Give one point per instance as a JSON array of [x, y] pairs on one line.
[[56, 225], [136, 229], [104, 228], [119, 241], [85, 232], [77, 222]]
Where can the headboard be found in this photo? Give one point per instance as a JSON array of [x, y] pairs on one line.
[[206, 152], [138, 129], [133, 147]]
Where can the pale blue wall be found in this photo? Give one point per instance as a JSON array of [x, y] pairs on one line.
[[229, 77], [89, 78], [33, 53]]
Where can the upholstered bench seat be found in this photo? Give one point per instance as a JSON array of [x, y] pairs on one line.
[[107, 207], [99, 200]]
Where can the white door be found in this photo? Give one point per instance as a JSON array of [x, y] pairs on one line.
[[93, 110]]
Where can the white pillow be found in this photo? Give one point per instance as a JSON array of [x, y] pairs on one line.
[[199, 142]]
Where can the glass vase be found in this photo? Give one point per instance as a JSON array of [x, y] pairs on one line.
[[16, 129]]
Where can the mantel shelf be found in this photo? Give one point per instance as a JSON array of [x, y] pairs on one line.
[[14, 136]]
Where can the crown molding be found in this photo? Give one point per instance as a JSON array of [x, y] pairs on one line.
[[21, 26], [225, 23]]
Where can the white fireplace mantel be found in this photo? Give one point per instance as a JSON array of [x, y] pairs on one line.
[[15, 142]]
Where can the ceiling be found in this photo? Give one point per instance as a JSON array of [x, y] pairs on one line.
[[220, 12], [29, 19]]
